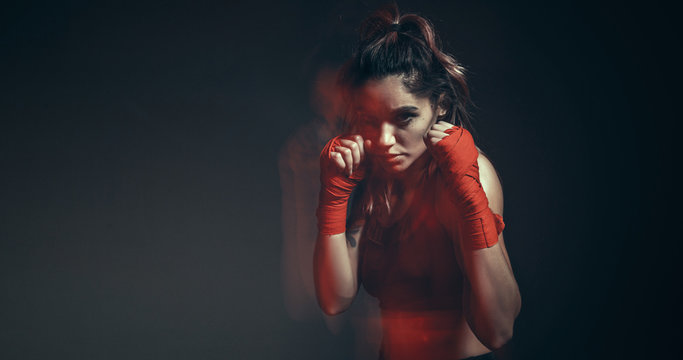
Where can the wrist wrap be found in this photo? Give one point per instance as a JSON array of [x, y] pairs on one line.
[[335, 189], [457, 155]]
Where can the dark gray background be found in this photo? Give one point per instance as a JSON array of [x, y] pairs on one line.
[[139, 191]]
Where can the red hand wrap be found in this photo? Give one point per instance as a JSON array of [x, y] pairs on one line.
[[335, 189], [457, 158]]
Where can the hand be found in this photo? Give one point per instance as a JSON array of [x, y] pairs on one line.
[[438, 132], [341, 169], [453, 147], [348, 155]]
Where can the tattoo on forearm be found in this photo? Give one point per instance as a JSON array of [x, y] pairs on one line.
[[351, 236]]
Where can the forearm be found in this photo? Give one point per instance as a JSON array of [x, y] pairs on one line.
[[335, 277], [492, 301], [491, 298]]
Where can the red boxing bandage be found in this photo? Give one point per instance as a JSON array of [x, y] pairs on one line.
[[457, 159], [335, 190]]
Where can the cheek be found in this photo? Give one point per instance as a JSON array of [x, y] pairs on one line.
[[415, 134], [413, 141]]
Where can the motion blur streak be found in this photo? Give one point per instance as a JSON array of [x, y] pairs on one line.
[[299, 169]]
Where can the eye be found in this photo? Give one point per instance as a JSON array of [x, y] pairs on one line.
[[404, 120]]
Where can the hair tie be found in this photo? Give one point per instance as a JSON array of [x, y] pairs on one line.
[[395, 27]]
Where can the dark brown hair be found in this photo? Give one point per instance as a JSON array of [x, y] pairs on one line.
[[406, 45]]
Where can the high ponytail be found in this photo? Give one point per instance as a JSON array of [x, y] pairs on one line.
[[407, 45]]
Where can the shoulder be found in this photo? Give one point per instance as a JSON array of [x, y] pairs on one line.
[[490, 182]]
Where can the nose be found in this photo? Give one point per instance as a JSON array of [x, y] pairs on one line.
[[387, 135]]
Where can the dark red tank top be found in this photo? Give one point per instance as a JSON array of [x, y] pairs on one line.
[[411, 264]]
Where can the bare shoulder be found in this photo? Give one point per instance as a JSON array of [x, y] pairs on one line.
[[490, 182]]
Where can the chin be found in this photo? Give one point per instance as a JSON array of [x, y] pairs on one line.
[[395, 168]]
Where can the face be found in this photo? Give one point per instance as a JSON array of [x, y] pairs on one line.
[[395, 122]]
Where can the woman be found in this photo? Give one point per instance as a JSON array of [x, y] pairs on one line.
[[408, 205]]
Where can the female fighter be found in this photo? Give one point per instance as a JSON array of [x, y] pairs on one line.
[[408, 205]]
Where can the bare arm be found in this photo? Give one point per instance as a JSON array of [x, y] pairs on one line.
[[335, 259], [492, 300], [335, 269]]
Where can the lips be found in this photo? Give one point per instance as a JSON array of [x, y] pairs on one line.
[[392, 157]]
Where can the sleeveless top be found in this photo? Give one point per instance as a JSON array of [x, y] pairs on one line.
[[411, 265]]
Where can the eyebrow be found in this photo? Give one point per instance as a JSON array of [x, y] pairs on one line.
[[404, 109], [401, 110]]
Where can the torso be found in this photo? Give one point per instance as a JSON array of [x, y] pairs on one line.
[[408, 261]]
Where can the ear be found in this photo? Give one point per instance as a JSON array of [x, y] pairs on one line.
[[440, 106]]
